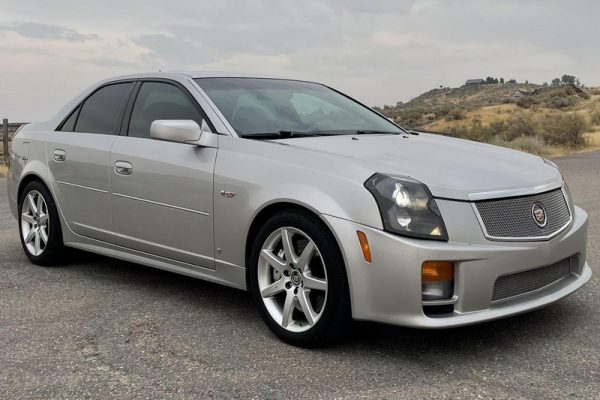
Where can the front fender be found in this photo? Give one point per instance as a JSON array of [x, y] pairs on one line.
[[254, 175]]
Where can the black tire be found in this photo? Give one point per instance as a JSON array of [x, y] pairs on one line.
[[336, 312], [53, 249]]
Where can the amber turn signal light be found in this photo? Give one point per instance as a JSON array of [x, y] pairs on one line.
[[438, 271], [364, 245]]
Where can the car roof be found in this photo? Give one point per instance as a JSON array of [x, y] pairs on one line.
[[175, 75], [196, 75]]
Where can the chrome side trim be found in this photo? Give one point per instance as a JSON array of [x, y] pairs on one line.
[[443, 302], [146, 242], [524, 239], [162, 204], [82, 187]]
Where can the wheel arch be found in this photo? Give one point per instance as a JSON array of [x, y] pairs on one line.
[[27, 179], [33, 174], [271, 209]]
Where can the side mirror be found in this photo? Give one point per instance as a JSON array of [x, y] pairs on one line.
[[183, 131]]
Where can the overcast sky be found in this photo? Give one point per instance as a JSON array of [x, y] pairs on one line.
[[378, 51]]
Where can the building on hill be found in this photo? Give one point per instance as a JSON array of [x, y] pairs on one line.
[[522, 93], [471, 82]]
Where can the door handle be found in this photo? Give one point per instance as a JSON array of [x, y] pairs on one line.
[[123, 168], [59, 155]]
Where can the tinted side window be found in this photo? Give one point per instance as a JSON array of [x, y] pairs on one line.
[[158, 100], [69, 125], [101, 111]]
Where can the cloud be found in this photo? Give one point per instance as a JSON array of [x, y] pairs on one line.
[[380, 52], [48, 32]]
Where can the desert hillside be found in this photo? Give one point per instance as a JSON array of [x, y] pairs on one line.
[[542, 119]]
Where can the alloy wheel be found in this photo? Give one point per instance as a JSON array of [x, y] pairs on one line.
[[292, 279], [35, 223]]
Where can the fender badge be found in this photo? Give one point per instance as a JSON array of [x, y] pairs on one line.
[[228, 194]]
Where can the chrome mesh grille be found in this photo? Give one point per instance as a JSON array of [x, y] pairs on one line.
[[512, 218], [527, 281]]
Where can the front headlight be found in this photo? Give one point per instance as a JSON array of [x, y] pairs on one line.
[[407, 207]]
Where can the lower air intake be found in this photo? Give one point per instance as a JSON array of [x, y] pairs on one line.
[[527, 281]]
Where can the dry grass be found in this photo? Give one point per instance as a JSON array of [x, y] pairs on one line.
[[486, 115], [593, 140], [3, 170], [536, 146], [506, 113]]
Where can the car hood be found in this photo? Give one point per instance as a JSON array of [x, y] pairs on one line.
[[451, 168]]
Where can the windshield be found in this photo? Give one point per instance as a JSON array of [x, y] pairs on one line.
[[255, 106]]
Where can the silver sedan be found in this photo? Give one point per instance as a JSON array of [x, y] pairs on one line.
[[324, 209]]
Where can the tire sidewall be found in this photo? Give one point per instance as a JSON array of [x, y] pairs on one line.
[[336, 312]]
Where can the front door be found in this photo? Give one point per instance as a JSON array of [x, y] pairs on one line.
[[162, 192]]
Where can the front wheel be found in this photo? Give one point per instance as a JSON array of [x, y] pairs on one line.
[[298, 280]]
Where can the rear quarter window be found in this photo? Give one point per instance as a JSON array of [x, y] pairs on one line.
[[69, 124]]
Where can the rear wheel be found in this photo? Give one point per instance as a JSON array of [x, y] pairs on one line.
[[297, 278], [39, 225]]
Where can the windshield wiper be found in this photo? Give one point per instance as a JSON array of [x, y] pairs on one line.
[[279, 135], [366, 132], [291, 134]]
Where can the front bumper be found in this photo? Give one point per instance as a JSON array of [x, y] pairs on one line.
[[388, 289]]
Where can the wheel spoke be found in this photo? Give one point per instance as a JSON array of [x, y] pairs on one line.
[[44, 235], [306, 256], [273, 289], [273, 260], [288, 246], [30, 236], [28, 218], [313, 283], [32, 206], [306, 307], [37, 245], [288, 308], [40, 204], [43, 218]]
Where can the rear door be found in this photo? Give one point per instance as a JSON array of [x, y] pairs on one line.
[[162, 192], [78, 159]]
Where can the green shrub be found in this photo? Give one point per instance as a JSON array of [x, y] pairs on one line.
[[530, 144], [456, 114], [564, 130], [477, 131], [560, 102], [525, 101], [596, 117], [520, 124], [560, 97]]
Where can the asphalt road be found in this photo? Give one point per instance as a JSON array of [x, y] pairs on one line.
[[102, 328]]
